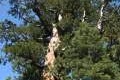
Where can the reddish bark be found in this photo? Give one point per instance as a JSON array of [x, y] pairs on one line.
[[50, 56]]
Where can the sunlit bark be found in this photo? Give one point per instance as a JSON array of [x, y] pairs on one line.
[[50, 56], [99, 24], [84, 14]]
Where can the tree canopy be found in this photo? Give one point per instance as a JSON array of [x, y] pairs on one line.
[[86, 52]]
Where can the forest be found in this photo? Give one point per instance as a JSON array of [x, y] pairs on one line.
[[62, 39]]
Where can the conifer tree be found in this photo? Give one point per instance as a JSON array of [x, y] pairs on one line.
[[60, 41]]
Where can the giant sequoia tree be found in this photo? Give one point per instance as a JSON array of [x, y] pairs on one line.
[[64, 39]]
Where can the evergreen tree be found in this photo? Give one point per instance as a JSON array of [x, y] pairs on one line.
[[84, 51]]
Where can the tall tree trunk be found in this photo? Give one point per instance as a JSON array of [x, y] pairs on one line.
[[99, 24], [84, 15], [50, 56]]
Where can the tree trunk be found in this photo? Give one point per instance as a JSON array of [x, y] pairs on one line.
[[84, 14], [99, 24], [50, 56]]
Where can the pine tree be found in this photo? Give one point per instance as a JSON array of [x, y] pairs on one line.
[[61, 40]]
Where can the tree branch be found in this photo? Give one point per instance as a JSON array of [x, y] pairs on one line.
[[33, 62]]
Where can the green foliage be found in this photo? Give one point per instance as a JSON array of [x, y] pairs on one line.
[[8, 78], [84, 53]]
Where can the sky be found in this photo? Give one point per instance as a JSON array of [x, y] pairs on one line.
[[4, 8], [6, 70]]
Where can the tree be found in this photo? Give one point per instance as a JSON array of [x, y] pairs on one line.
[[60, 40]]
